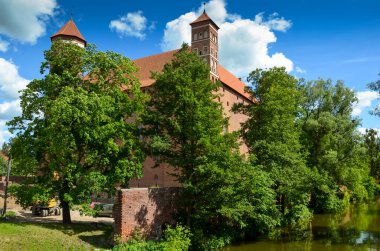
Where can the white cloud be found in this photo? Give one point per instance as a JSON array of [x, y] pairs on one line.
[[3, 45], [274, 22], [10, 109], [243, 43], [300, 70], [10, 80], [4, 133], [365, 99], [133, 24], [24, 20], [10, 83], [177, 32]]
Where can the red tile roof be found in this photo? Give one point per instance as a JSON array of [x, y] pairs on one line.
[[71, 30], [202, 18], [155, 63]]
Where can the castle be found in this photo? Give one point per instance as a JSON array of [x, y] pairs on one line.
[[204, 42]]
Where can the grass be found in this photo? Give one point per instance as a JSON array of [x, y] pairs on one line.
[[51, 236]]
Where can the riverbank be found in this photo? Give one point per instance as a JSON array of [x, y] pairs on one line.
[[357, 229]]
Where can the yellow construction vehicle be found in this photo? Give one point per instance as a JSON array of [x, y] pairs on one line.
[[52, 207]]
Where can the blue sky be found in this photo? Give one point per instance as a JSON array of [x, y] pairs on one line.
[[337, 39]]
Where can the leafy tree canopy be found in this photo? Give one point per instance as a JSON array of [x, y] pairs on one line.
[[185, 125], [78, 127]]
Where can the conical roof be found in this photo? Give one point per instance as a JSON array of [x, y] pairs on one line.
[[202, 18], [71, 30]]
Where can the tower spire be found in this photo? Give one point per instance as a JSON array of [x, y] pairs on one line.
[[70, 32]]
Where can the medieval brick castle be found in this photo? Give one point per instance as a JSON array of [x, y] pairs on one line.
[[204, 42]]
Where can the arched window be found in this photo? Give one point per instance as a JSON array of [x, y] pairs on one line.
[[205, 34], [195, 36]]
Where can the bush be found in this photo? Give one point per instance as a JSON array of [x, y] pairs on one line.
[[175, 239], [8, 215]]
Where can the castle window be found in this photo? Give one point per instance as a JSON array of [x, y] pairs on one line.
[[200, 35], [195, 36], [228, 103], [205, 34], [205, 49], [200, 53]]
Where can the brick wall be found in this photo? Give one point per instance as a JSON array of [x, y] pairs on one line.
[[145, 209]]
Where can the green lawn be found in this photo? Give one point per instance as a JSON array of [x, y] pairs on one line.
[[48, 236]]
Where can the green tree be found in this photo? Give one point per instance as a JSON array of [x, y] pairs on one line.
[[332, 143], [372, 143], [80, 131], [3, 165], [221, 192], [272, 135], [375, 86]]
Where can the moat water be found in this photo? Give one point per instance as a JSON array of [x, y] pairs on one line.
[[357, 229]]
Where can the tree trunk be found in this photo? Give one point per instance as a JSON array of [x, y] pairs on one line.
[[66, 217]]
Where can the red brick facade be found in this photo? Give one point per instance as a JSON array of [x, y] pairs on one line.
[[147, 210]]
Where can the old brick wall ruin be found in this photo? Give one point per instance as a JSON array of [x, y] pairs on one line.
[[147, 210]]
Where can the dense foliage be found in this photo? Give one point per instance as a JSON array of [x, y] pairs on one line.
[[3, 166], [333, 145], [372, 144], [272, 135], [77, 130], [174, 239], [223, 195]]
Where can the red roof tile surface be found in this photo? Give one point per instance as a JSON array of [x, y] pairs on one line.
[[204, 17], [155, 63], [69, 29]]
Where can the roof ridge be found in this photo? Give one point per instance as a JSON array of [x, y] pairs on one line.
[[165, 52]]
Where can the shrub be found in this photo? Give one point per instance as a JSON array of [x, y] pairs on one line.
[[175, 239]]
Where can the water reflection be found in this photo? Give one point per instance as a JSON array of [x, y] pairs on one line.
[[357, 229]]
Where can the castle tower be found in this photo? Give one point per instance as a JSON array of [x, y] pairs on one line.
[[69, 32], [204, 41]]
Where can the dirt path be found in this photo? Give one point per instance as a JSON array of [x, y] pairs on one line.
[[27, 216]]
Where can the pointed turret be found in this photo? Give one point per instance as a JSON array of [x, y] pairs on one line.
[[70, 32], [204, 41]]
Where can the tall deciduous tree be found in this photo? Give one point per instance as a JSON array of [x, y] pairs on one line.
[[221, 192], [81, 132], [272, 135], [333, 144]]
